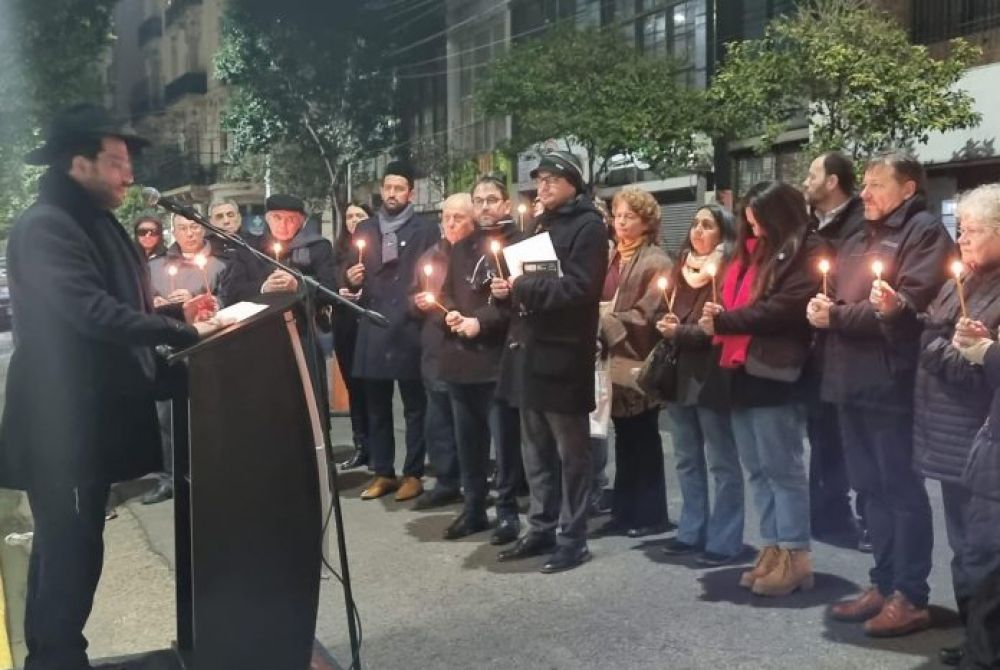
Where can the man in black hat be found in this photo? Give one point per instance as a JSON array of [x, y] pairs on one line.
[[247, 277], [394, 239], [547, 367], [80, 410]]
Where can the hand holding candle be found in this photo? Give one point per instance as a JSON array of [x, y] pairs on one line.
[[202, 262], [431, 300], [172, 273], [495, 248], [662, 283], [711, 269], [957, 269], [824, 267]]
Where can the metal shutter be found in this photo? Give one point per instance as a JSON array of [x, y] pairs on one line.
[[675, 221]]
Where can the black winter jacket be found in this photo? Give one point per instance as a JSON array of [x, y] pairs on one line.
[[952, 398], [551, 363], [466, 289], [860, 365]]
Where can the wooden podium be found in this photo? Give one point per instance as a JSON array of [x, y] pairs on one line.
[[248, 517]]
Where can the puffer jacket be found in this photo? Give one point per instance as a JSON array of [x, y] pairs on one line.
[[952, 395]]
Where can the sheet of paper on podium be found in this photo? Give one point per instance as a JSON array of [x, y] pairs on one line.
[[241, 311], [535, 249]]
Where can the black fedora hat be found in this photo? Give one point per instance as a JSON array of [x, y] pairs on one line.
[[81, 122]]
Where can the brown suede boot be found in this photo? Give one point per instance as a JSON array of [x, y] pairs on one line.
[[767, 559], [793, 572]]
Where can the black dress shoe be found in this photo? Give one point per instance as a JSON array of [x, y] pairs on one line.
[[609, 528], [601, 501], [357, 459], [506, 532], [437, 497], [164, 491], [710, 559], [566, 558], [951, 655], [465, 525], [530, 545], [675, 547], [643, 531]]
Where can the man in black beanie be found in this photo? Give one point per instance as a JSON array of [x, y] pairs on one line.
[[394, 239]]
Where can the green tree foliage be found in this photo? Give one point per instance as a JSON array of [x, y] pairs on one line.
[[854, 73], [51, 53], [595, 88], [297, 70]]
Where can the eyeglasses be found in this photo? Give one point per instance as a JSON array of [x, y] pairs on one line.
[[147, 232], [491, 201], [548, 180]]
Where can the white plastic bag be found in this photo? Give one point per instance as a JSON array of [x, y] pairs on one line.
[[600, 418]]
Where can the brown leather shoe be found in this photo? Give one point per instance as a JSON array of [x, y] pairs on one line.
[[410, 488], [379, 487], [767, 560], [898, 617], [862, 608], [793, 572]]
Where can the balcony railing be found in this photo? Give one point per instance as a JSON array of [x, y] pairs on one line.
[[939, 20], [195, 83], [150, 29], [176, 8]]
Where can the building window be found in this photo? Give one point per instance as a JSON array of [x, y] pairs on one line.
[[936, 21], [668, 28], [476, 47]]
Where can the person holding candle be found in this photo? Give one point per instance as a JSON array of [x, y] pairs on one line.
[[188, 269], [836, 214], [631, 302], [952, 398], [700, 422], [765, 337], [870, 377], [475, 332], [457, 223], [395, 239], [345, 334]]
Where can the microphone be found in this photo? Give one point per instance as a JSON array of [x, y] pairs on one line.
[[152, 198]]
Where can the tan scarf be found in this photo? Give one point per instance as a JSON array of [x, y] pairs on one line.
[[626, 250], [693, 269]]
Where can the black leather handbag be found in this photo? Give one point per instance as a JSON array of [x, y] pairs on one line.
[[657, 376]]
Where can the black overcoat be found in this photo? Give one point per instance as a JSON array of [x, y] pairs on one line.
[[82, 379], [393, 352]]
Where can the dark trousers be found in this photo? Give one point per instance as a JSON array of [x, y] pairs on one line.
[[165, 415], [640, 482], [878, 446], [439, 432], [556, 451], [982, 643], [382, 440], [355, 390], [829, 490], [67, 555], [470, 404], [505, 426], [973, 528]]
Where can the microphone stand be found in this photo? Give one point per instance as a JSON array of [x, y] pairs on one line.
[[308, 287]]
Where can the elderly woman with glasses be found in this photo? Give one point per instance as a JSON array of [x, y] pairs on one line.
[[952, 398]]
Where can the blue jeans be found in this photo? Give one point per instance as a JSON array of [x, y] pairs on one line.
[[770, 442], [703, 443]]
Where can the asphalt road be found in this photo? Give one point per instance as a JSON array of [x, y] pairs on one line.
[[430, 604]]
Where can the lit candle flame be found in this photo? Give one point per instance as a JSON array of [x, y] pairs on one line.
[[957, 268], [277, 249], [360, 244], [824, 266], [877, 269], [172, 270], [200, 261], [522, 208], [662, 283], [495, 246], [428, 269], [711, 269]]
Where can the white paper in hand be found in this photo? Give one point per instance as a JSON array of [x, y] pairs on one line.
[[240, 311], [537, 248]]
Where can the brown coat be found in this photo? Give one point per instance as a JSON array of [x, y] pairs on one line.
[[629, 330]]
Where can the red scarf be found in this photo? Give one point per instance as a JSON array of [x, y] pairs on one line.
[[737, 291]]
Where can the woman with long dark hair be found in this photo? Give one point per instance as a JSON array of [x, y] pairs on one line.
[[147, 231], [345, 334], [699, 414], [760, 323]]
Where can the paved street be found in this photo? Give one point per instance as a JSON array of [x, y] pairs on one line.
[[427, 603]]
